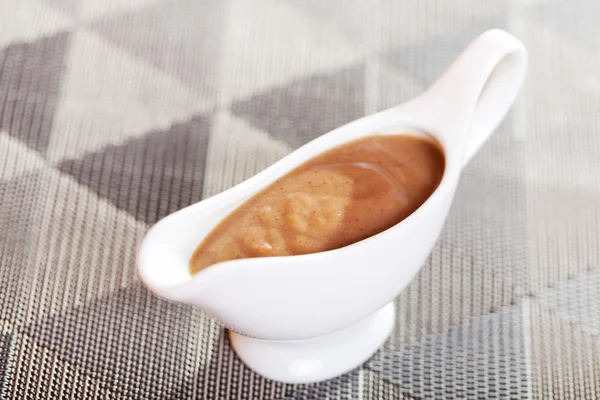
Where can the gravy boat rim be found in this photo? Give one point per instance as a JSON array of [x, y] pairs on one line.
[[354, 244], [402, 125]]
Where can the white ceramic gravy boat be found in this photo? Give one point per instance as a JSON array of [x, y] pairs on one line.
[[308, 318]]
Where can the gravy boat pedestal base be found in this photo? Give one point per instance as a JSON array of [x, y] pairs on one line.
[[320, 358]]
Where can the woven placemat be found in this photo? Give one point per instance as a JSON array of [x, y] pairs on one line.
[[114, 114]]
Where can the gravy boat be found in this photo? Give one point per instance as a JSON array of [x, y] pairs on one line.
[[307, 318]]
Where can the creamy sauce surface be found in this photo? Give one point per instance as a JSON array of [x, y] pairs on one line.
[[337, 198]]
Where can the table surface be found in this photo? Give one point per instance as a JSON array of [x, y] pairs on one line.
[[114, 114]]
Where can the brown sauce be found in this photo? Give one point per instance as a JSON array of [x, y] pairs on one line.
[[340, 197]]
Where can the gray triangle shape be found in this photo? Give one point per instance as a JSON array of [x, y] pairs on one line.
[[134, 343], [304, 109], [151, 176], [483, 358], [425, 61], [30, 80], [184, 38], [577, 300]]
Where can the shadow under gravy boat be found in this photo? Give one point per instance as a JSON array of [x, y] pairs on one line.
[[308, 318]]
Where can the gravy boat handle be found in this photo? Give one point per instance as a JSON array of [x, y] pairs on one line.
[[475, 92]]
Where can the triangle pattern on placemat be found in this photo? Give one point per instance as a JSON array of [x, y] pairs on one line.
[[300, 111], [109, 96], [426, 60], [159, 31], [30, 81], [57, 253], [563, 233], [483, 357], [379, 26], [150, 176], [263, 50], [27, 21], [134, 342], [576, 300], [565, 359], [41, 372], [237, 151], [16, 158]]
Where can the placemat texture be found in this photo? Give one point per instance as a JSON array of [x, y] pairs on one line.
[[114, 114]]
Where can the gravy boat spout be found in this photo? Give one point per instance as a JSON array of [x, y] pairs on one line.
[[311, 317]]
